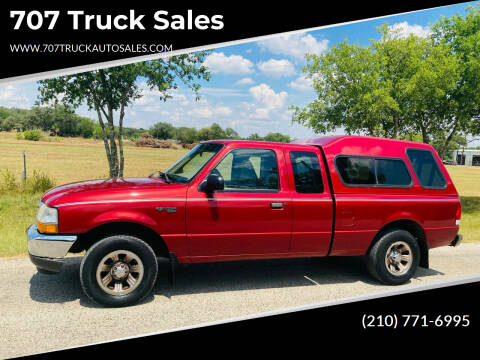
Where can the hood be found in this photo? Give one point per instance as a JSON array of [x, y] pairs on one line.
[[113, 189]]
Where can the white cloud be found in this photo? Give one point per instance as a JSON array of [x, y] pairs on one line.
[[223, 92], [266, 95], [233, 64], [143, 100], [295, 45], [269, 100], [209, 111], [245, 81], [150, 100], [302, 83], [277, 68], [152, 108], [12, 96], [404, 29]]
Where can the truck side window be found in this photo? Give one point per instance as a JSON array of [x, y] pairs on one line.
[[356, 170], [249, 169], [370, 171], [306, 172], [426, 169], [392, 172]]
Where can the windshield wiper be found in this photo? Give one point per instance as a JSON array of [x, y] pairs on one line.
[[162, 174]]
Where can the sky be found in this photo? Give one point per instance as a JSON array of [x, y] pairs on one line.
[[252, 84]]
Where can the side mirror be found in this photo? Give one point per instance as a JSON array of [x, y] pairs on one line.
[[212, 183]]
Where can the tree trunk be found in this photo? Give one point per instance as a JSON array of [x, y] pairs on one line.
[[113, 145], [113, 159], [110, 159], [120, 139], [448, 139], [425, 137], [395, 126]]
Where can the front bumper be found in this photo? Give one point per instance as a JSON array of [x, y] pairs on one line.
[[46, 251]]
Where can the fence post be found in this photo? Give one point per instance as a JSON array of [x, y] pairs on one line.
[[24, 174]]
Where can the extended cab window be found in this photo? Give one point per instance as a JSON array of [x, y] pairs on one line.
[[356, 170], [306, 172], [366, 171], [426, 169], [249, 169], [392, 172]]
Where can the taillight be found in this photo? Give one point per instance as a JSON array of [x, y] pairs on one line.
[[458, 214]]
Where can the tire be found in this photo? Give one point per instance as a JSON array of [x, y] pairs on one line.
[[394, 258], [118, 270]]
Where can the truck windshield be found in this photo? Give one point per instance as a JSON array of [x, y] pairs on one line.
[[192, 162]]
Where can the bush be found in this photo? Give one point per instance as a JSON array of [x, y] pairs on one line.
[[186, 135], [19, 136], [162, 130], [8, 183], [38, 183], [98, 132], [277, 137], [33, 135], [86, 127]]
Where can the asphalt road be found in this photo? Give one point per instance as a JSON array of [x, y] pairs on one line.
[[49, 312]]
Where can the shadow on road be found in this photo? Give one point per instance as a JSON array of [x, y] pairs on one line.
[[218, 277]]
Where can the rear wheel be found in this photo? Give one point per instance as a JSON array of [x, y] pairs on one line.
[[119, 270], [394, 258]]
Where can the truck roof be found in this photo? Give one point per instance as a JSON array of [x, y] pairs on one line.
[[329, 140], [347, 144], [362, 145]]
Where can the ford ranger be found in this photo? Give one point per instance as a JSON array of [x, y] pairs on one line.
[[389, 201]]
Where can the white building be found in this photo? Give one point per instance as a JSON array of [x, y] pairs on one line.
[[466, 157]]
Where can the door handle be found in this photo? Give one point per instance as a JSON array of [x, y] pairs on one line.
[[276, 205]]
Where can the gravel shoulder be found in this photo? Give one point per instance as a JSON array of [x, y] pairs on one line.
[[50, 312]]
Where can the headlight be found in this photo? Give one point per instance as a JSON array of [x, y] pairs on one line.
[[47, 219]]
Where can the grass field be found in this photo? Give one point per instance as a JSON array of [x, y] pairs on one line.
[[72, 159]]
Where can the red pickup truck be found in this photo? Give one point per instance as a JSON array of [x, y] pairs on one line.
[[387, 200]]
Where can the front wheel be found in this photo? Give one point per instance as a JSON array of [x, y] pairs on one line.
[[118, 270], [394, 258]]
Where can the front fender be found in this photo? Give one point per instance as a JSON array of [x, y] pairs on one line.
[[81, 219], [120, 216]]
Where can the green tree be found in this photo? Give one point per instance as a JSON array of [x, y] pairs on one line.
[[5, 112], [110, 91], [86, 127], [461, 36], [277, 137], [15, 120], [203, 134], [8, 123], [231, 134], [216, 132], [445, 148], [396, 86], [65, 121], [254, 137], [162, 130], [39, 117], [362, 89], [186, 135], [438, 142]]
